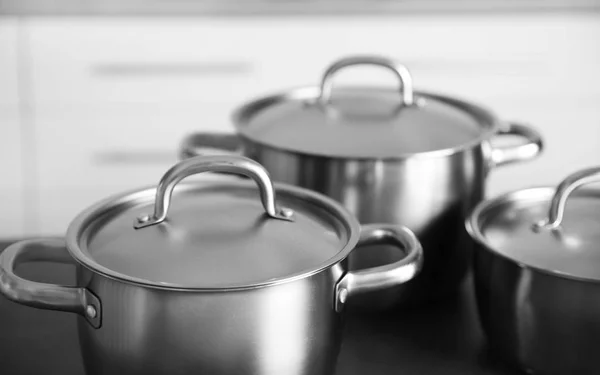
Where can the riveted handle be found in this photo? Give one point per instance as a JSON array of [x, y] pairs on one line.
[[214, 163], [564, 189], [385, 276], [406, 85], [41, 295]]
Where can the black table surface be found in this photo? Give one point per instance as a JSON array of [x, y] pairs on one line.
[[442, 339]]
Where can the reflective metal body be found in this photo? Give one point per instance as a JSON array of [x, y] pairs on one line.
[[288, 329], [542, 323], [431, 193], [133, 326], [542, 320], [432, 196]]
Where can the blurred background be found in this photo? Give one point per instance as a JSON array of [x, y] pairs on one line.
[[95, 96]]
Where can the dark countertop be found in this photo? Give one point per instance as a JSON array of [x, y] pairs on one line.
[[444, 340]]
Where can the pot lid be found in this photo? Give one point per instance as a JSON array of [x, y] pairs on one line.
[[553, 230], [363, 122], [229, 233]]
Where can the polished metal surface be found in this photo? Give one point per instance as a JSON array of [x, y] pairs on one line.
[[226, 164], [216, 235], [40, 295], [431, 194], [379, 171], [503, 155], [364, 121], [285, 329], [289, 328], [564, 189], [543, 323], [406, 85], [554, 230], [289, 325], [389, 275], [447, 340], [537, 278]]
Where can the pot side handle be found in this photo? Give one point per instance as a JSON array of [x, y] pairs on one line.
[[522, 152], [202, 143], [40, 295], [389, 275]]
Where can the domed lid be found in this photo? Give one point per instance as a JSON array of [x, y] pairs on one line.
[[553, 230], [229, 233], [362, 122]]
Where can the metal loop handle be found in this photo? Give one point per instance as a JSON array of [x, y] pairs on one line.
[[564, 189], [39, 295], [406, 87], [530, 150], [216, 163], [385, 276]]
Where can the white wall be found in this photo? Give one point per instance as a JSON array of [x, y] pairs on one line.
[[11, 171]]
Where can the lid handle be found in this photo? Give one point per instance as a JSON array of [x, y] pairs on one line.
[[406, 87], [564, 189], [214, 163]]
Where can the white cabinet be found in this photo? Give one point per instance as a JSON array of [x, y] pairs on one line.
[[113, 97], [11, 177]]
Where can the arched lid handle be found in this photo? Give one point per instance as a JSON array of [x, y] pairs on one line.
[[564, 189], [213, 163], [406, 85]]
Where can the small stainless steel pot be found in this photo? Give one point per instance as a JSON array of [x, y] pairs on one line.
[[226, 284], [394, 156], [537, 275]]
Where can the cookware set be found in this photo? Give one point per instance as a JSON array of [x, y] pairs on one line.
[[254, 272]]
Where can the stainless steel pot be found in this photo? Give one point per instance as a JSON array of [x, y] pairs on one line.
[[537, 275], [396, 156], [226, 284]]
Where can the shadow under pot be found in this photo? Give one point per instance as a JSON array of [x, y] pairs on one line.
[[218, 277], [537, 275], [388, 155]]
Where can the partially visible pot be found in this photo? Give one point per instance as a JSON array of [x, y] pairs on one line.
[[233, 281], [537, 275], [388, 155]]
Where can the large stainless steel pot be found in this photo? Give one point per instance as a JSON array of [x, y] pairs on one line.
[[537, 275], [217, 287], [395, 156]]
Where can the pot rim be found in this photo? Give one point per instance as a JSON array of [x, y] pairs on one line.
[[89, 215], [474, 229], [483, 115]]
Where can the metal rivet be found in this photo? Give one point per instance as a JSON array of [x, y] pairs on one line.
[[143, 219], [538, 226], [286, 212], [343, 295], [90, 311]]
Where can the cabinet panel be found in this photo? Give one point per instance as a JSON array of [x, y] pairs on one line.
[[113, 97], [161, 61], [11, 182], [124, 60], [79, 148]]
